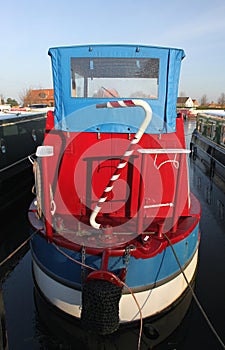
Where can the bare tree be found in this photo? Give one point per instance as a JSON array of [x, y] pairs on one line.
[[204, 100], [2, 100], [221, 99], [25, 97]]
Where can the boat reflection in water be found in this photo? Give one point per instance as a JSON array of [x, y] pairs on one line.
[[211, 193], [3, 332], [68, 333]]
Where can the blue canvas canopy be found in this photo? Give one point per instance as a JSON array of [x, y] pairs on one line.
[[84, 76]]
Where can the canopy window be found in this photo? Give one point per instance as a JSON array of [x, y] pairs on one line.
[[115, 77]]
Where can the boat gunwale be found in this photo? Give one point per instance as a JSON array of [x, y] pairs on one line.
[[138, 252]]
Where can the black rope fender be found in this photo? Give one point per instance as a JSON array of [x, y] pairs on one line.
[[101, 294]]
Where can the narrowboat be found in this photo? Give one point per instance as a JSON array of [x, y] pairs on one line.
[[208, 146], [115, 227], [20, 135]]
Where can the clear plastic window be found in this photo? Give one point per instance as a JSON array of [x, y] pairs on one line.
[[211, 130], [115, 77], [222, 135], [199, 125], [10, 130]]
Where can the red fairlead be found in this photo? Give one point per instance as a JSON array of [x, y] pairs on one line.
[[124, 159]]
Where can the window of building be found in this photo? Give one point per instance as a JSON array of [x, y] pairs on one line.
[[42, 95]]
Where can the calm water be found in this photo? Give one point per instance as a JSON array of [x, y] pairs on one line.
[[31, 325]]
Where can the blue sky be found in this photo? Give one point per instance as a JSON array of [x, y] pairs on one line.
[[28, 28]]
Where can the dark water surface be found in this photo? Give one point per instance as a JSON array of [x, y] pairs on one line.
[[31, 324]]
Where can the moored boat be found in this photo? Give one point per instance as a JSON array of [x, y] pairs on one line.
[[117, 227], [20, 135], [208, 145]]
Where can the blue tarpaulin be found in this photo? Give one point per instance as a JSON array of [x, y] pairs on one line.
[[154, 67]]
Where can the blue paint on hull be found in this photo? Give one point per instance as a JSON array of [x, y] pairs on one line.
[[140, 273]]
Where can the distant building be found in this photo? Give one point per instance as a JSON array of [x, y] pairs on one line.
[[212, 105], [40, 96], [195, 103], [4, 108], [185, 102]]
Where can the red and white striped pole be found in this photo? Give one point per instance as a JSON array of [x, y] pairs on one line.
[[124, 159]]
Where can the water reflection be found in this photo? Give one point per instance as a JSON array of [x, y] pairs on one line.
[[69, 334], [15, 229], [209, 192], [3, 331]]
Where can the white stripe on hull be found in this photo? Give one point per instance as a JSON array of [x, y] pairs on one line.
[[151, 301]]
